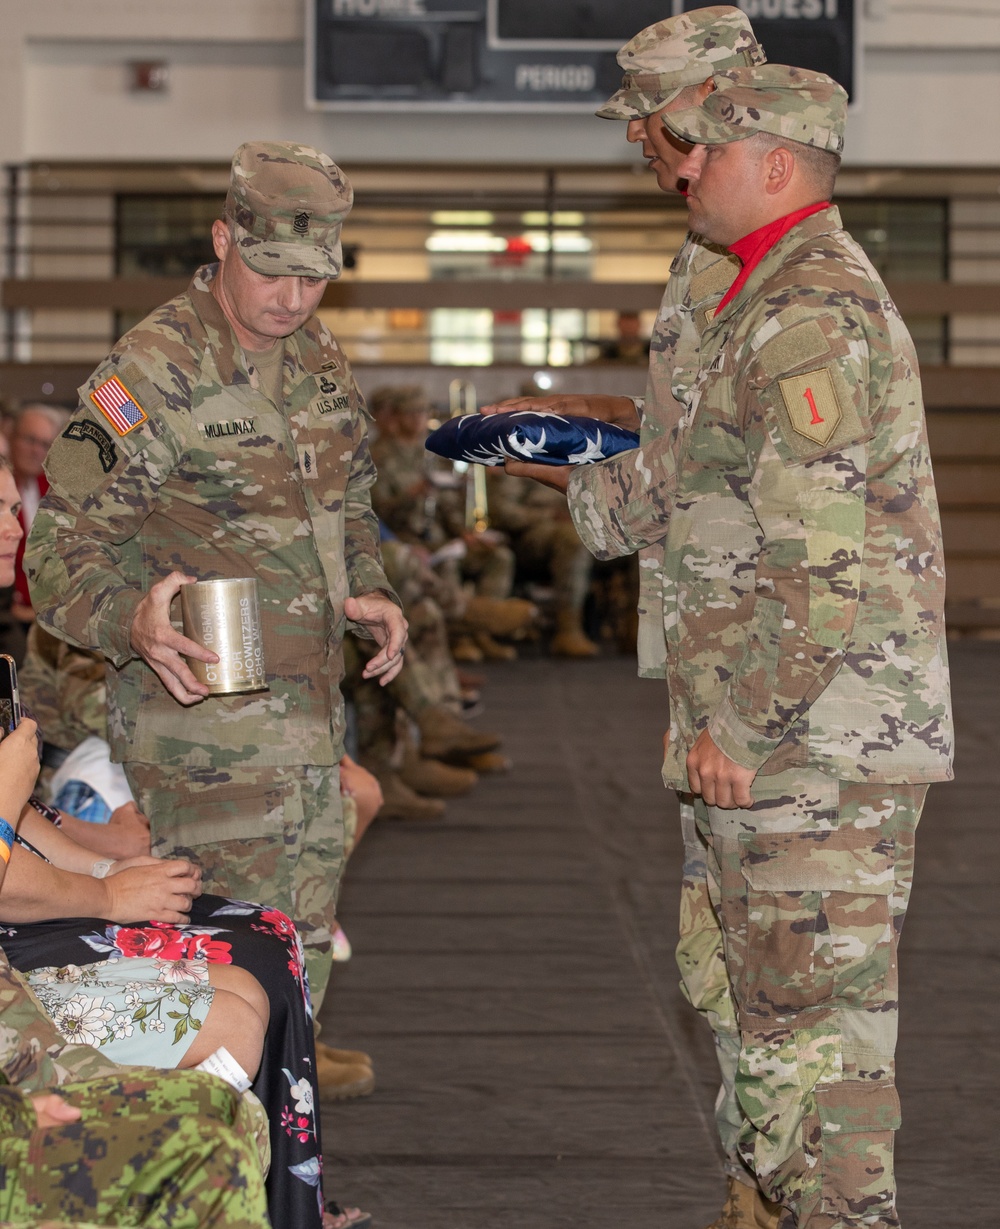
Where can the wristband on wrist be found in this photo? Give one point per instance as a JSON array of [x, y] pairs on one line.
[[6, 840], [101, 867]]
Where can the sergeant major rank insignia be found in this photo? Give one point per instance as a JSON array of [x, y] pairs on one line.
[[118, 406], [301, 223]]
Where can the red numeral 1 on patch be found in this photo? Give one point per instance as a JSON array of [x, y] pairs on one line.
[[816, 416]]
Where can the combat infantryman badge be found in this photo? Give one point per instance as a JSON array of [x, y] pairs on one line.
[[118, 406]]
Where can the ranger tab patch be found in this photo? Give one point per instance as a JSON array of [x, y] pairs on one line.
[[118, 406], [812, 405]]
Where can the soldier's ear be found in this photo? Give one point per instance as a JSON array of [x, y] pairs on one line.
[[779, 168], [221, 238]]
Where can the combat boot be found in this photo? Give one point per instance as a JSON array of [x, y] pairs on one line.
[[342, 1081], [747, 1208], [493, 650], [499, 616], [400, 802], [333, 1055], [570, 639], [465, 649], [488, 763], [443, 736], [434, 779]]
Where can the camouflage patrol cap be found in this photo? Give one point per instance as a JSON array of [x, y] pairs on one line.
[[287, 203], [686, 50], [803, 106]]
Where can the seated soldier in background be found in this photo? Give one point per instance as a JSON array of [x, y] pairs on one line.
[[423, 508], [540, 527]]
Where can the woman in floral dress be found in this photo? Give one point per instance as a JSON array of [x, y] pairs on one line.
[[142, 993]]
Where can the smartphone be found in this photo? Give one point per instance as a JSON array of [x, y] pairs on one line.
[[10, 701]]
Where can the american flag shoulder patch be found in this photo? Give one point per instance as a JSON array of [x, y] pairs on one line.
[[118, 406]]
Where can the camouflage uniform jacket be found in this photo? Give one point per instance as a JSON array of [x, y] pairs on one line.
[[217, 481], [803, 574], [620, 506]]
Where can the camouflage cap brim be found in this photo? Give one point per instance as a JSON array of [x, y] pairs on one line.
[[288, 259], [635, 102], [802, 106], [679, 51]]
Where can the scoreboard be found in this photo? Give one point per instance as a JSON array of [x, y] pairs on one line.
[[536, 55]]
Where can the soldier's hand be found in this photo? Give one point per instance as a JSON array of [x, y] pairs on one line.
[[151, 889], [162, 647], [385, 621], [618, 410], [719, 780], [131, 831], [555, 476], [52, 1111]]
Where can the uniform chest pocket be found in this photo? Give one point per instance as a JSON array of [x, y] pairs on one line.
[[239, 452], [714, 437]]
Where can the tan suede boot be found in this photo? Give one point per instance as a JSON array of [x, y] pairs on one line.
[[342, 1081], [434, 779], [465, 649], [333, 1055], [443, 735], [493, 650], [746, 1208], [499, 616], [570, 640], [401, 802]]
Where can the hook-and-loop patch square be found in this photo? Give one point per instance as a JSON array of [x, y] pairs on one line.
[[812, 405]]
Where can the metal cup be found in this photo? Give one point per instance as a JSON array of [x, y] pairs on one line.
[[224, 616]]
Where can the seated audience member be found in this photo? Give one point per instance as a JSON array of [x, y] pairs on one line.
[[422, 512], [35, 427], [180, 1145], [544, 539], [199, 972]]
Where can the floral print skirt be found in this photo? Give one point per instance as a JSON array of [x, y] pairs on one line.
[[87, 973], [141, 1012]]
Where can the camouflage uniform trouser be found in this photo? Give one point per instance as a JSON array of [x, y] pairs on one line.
[[269, 834], [803, 901], [152, 1148]]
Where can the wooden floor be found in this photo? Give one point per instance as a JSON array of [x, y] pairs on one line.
[[513, 980]]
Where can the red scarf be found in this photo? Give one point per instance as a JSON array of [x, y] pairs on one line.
[[752, 248]]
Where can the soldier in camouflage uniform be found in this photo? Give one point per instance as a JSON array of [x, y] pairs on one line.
[[225, 436], [619, 506], [803, 607]]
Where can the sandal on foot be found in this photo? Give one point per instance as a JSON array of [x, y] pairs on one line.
[[346, 1218]]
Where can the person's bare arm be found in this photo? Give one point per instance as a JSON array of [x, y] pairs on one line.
[[18, 771], [136, 890], [125, 835], [606, 408]]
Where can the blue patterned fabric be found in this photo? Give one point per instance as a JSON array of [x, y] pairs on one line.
[[524, 435]]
